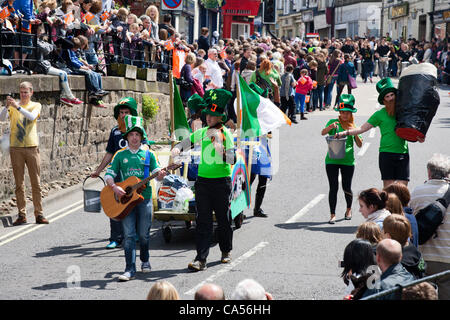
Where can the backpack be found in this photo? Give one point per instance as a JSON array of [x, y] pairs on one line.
[[431, 217]]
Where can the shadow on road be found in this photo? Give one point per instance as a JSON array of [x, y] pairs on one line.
[[443, 122], [313, 226]]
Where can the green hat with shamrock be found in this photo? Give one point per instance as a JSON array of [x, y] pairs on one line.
[[384, 86], [259, 90], [216, 101], [346, 103], [133, 123], [196, 103], [127, 102]]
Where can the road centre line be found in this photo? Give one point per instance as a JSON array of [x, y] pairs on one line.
[[364, 149], [306, 208], [35, 227], [47, 216], [229, 266]]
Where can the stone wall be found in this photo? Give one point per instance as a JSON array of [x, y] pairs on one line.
[[72, 140]]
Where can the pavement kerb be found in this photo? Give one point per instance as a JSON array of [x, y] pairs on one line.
[[7, 219]]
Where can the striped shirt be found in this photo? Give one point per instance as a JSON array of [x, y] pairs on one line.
[[435, 249]]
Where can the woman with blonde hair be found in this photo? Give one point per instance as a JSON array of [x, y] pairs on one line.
[[153, 13], [163, 290]]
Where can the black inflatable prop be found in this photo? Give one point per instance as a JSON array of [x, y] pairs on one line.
[[417, 101]]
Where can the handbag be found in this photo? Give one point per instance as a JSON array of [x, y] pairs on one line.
[[330, 76], [352, 82]]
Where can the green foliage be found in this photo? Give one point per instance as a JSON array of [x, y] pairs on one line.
[[211, 4], [150, 107]]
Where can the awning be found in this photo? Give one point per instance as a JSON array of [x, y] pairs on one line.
[[340, 26]]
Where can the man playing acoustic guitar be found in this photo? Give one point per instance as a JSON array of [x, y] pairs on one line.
[[127, 162]]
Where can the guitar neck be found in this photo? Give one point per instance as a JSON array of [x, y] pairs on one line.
[[143, 182]]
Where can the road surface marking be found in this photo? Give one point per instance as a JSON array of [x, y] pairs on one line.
[[229, 266], [372, 133], [306, 208], [35, 227], [31, 225], [364, 149]]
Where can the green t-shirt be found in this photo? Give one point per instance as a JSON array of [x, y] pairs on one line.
[[349, 159], [390, 141], [273, 74], [211, 164], [126, 164]]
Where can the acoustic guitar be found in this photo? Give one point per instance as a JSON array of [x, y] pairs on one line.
[[118, 208]]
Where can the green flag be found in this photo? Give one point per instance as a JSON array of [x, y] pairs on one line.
[[181, 126]]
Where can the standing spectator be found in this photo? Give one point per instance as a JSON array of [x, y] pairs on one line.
[[367, 61], [372, 205], [24, 150], [163, 290], [213, 70], [267, 77], [389, 257], [382, 54], [153, 13], [345, 70], [209, 291], [321, 75], [427, 53], [214, 39], [436, 251], [249, 289], [249, 71], [287, 93], [358, 257], [245, 58], [186, 75], [289, 58], [393, 61], [333, 66], [203, 42], [166, 25], [304, 85]]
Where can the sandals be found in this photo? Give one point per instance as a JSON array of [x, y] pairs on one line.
[[332, 220], [348, 217]]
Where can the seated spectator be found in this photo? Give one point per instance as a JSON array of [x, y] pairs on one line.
[[358, 257], [398, 228], [394, 205], [404, 196], [371, 232], [249, 289], [436, 251], [163, 290], [389, 257], [209, 291], [420, 291], [78, 65], [372, 205]]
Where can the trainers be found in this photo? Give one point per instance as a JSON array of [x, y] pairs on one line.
[[127, 276], [112, 245], [197, 265], [145, 267], [20, 220], [66, 101], [76, 101], [41, 220], [226, 257]]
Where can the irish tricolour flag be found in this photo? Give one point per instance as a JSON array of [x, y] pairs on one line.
[[259, 115]]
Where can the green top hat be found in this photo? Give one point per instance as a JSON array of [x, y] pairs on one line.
[[259, 90], [346, 103], [384, 86], [133, 123], [216, 101], [127, 102], [196, 103]]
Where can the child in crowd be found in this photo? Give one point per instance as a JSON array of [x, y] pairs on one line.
[[304, 85]]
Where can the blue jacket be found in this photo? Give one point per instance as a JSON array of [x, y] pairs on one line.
[[345, 69], [26, 8], [414, 228], [394, 275], [75, 63]]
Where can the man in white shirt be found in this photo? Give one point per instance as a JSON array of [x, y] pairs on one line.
[[213, 71], [436, 251]]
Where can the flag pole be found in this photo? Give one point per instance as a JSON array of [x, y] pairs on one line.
[[238, 111], [172, 124]]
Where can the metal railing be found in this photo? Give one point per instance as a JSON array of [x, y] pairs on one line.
[[113, 49], [399, 288]]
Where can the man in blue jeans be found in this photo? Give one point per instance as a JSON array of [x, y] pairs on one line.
[[138, 161]]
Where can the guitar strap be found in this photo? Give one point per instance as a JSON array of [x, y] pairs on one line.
[[147, 164]]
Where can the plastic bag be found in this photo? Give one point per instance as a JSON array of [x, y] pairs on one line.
[[417, 101], [182, 198], [167, 192]]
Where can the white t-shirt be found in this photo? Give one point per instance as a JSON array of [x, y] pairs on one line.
[[214, 72]]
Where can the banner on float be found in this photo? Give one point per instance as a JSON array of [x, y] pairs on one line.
[[240, 186]]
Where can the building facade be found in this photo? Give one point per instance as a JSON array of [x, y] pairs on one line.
[[407, 19], [441, 19]]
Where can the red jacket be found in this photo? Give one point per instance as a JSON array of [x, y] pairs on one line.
[[304, 88]]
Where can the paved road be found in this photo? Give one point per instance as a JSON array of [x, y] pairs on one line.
[[294, 253]]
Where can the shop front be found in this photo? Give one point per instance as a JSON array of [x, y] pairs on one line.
[[441, 21], [238, 18]]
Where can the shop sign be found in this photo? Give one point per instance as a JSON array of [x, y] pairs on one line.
[[399, 11]]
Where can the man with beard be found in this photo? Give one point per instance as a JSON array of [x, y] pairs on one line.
[[125, 106], [393, 159]]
